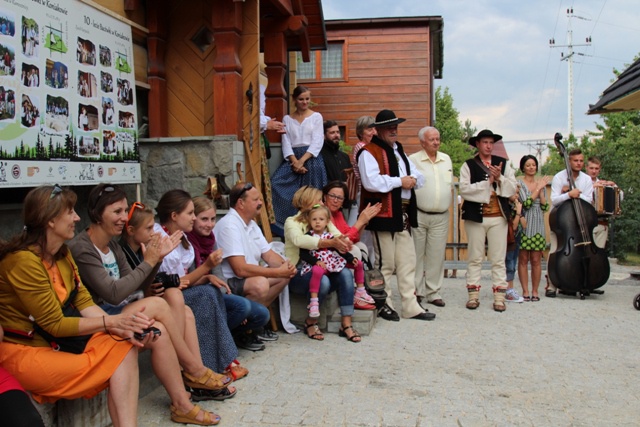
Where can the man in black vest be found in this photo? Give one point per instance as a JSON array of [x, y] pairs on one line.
[[335, 160], [388, 177], [486, 183]]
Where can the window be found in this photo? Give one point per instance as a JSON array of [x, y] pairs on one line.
[[323, 65]]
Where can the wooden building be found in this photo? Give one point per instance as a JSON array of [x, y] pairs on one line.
[[373, 64]]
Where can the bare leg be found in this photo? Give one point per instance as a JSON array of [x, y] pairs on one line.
[[167, 368], [263, 290], [157, 308], [185, 321], [123, 392], [536, 271], [523, 273]]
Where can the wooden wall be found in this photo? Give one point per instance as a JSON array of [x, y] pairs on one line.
[[386, 68]]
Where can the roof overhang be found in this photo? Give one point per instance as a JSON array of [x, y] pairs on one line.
[[622, 95]]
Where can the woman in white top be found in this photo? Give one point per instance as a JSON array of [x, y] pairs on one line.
[[303, 164]]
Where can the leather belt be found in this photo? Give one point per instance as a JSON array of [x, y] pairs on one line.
[[434, 213]]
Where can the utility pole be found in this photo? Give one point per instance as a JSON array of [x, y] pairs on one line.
[[539, 147], [569, 59]]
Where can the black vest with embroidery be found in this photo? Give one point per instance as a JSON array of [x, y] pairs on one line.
[[473, 210], [390, 216]]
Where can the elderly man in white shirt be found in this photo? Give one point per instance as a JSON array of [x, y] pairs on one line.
[[434, 200], [388, 177]]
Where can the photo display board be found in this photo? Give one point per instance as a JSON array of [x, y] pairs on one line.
[[67, 96]]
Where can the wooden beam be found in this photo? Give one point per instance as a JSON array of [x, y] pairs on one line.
[[227, 79], [275, 59], [156, 48], [284, 6]]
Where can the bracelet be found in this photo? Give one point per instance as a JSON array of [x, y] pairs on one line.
[[104, 323]]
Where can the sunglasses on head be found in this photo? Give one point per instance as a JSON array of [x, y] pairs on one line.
[[248, 186], [134, 206], [56, 190], [107, 189]]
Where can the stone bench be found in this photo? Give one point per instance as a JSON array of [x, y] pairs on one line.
[[93, 412], [329, 320]]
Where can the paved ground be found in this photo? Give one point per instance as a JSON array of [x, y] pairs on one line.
[[557, 362]]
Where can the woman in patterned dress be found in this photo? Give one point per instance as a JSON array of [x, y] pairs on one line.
[[534, 204], [303, 164]]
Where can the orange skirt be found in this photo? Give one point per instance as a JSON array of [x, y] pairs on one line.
[[51, 375]]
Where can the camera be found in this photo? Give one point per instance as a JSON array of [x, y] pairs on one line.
[[167, 280], [146, 332]]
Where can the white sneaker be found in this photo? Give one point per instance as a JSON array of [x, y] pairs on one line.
[[513, 296]]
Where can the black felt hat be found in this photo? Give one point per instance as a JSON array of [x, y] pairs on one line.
[[386, 118], [484, 134]]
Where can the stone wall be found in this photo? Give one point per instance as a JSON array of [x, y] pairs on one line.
[[168, 163]]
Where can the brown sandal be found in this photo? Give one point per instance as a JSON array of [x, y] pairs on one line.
[[191, 417], [355, 336], [209, 381], [236, 371], [317, 334]]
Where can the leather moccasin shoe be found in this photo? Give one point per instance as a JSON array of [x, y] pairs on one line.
[[388, 313], [424, 316], [437, 302]]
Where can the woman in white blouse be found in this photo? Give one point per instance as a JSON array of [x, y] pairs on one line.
[[303, 164]]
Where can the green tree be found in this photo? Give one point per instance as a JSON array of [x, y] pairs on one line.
[[453, 135]]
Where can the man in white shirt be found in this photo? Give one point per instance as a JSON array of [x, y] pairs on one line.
[[388, 177], [601, 232], [244, 246], [560, 193], [486, 183], [433, 200]]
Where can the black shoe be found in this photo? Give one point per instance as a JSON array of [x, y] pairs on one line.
[[266, 335], [549, 293], [200, 394], [248, 342], [424, 316], [388, 313]]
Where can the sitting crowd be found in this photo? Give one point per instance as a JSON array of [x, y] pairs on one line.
[[77, 309]]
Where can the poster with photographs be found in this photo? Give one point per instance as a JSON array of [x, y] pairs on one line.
[[67, 96]]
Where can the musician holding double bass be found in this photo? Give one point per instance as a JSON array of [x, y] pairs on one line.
[[560, 192], [601, 232]]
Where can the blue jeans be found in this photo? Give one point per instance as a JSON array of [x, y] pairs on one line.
[[511, 260], [341, 282], [240, 308]]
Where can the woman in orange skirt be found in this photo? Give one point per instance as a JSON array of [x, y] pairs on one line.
[[38, 277]]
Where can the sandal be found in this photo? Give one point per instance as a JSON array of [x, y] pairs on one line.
[[526, 298], [360, 304], [535, 298], [191, 417], [317, 333], [355, 336], [209, 381], [236, 371], [200, 394], [362, 295]]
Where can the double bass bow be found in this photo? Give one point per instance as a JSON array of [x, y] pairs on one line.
[[578, 265]]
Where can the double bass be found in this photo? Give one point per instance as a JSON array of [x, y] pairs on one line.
[[578, 265]]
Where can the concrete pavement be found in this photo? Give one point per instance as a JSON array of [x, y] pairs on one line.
[[557, 362]]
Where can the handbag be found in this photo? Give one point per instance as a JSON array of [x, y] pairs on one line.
[[74, 344], [374, 282], [511, 234]]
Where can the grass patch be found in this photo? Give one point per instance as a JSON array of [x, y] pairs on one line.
[[631, 259]]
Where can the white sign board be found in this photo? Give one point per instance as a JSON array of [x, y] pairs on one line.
[[67, 96]]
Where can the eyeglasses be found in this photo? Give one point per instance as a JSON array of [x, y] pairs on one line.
[[248, 186], [336, 197], [56, 190], [107, 189], [134, 206]]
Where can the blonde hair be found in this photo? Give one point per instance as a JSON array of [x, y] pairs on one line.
[[201, 204], [315, 208], [304, 199]]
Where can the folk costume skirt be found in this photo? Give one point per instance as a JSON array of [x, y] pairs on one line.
[[285, 182]]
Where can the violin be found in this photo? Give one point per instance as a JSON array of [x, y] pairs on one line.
[[578, 265]]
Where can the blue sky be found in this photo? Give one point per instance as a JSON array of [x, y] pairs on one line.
[[498, 64]]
